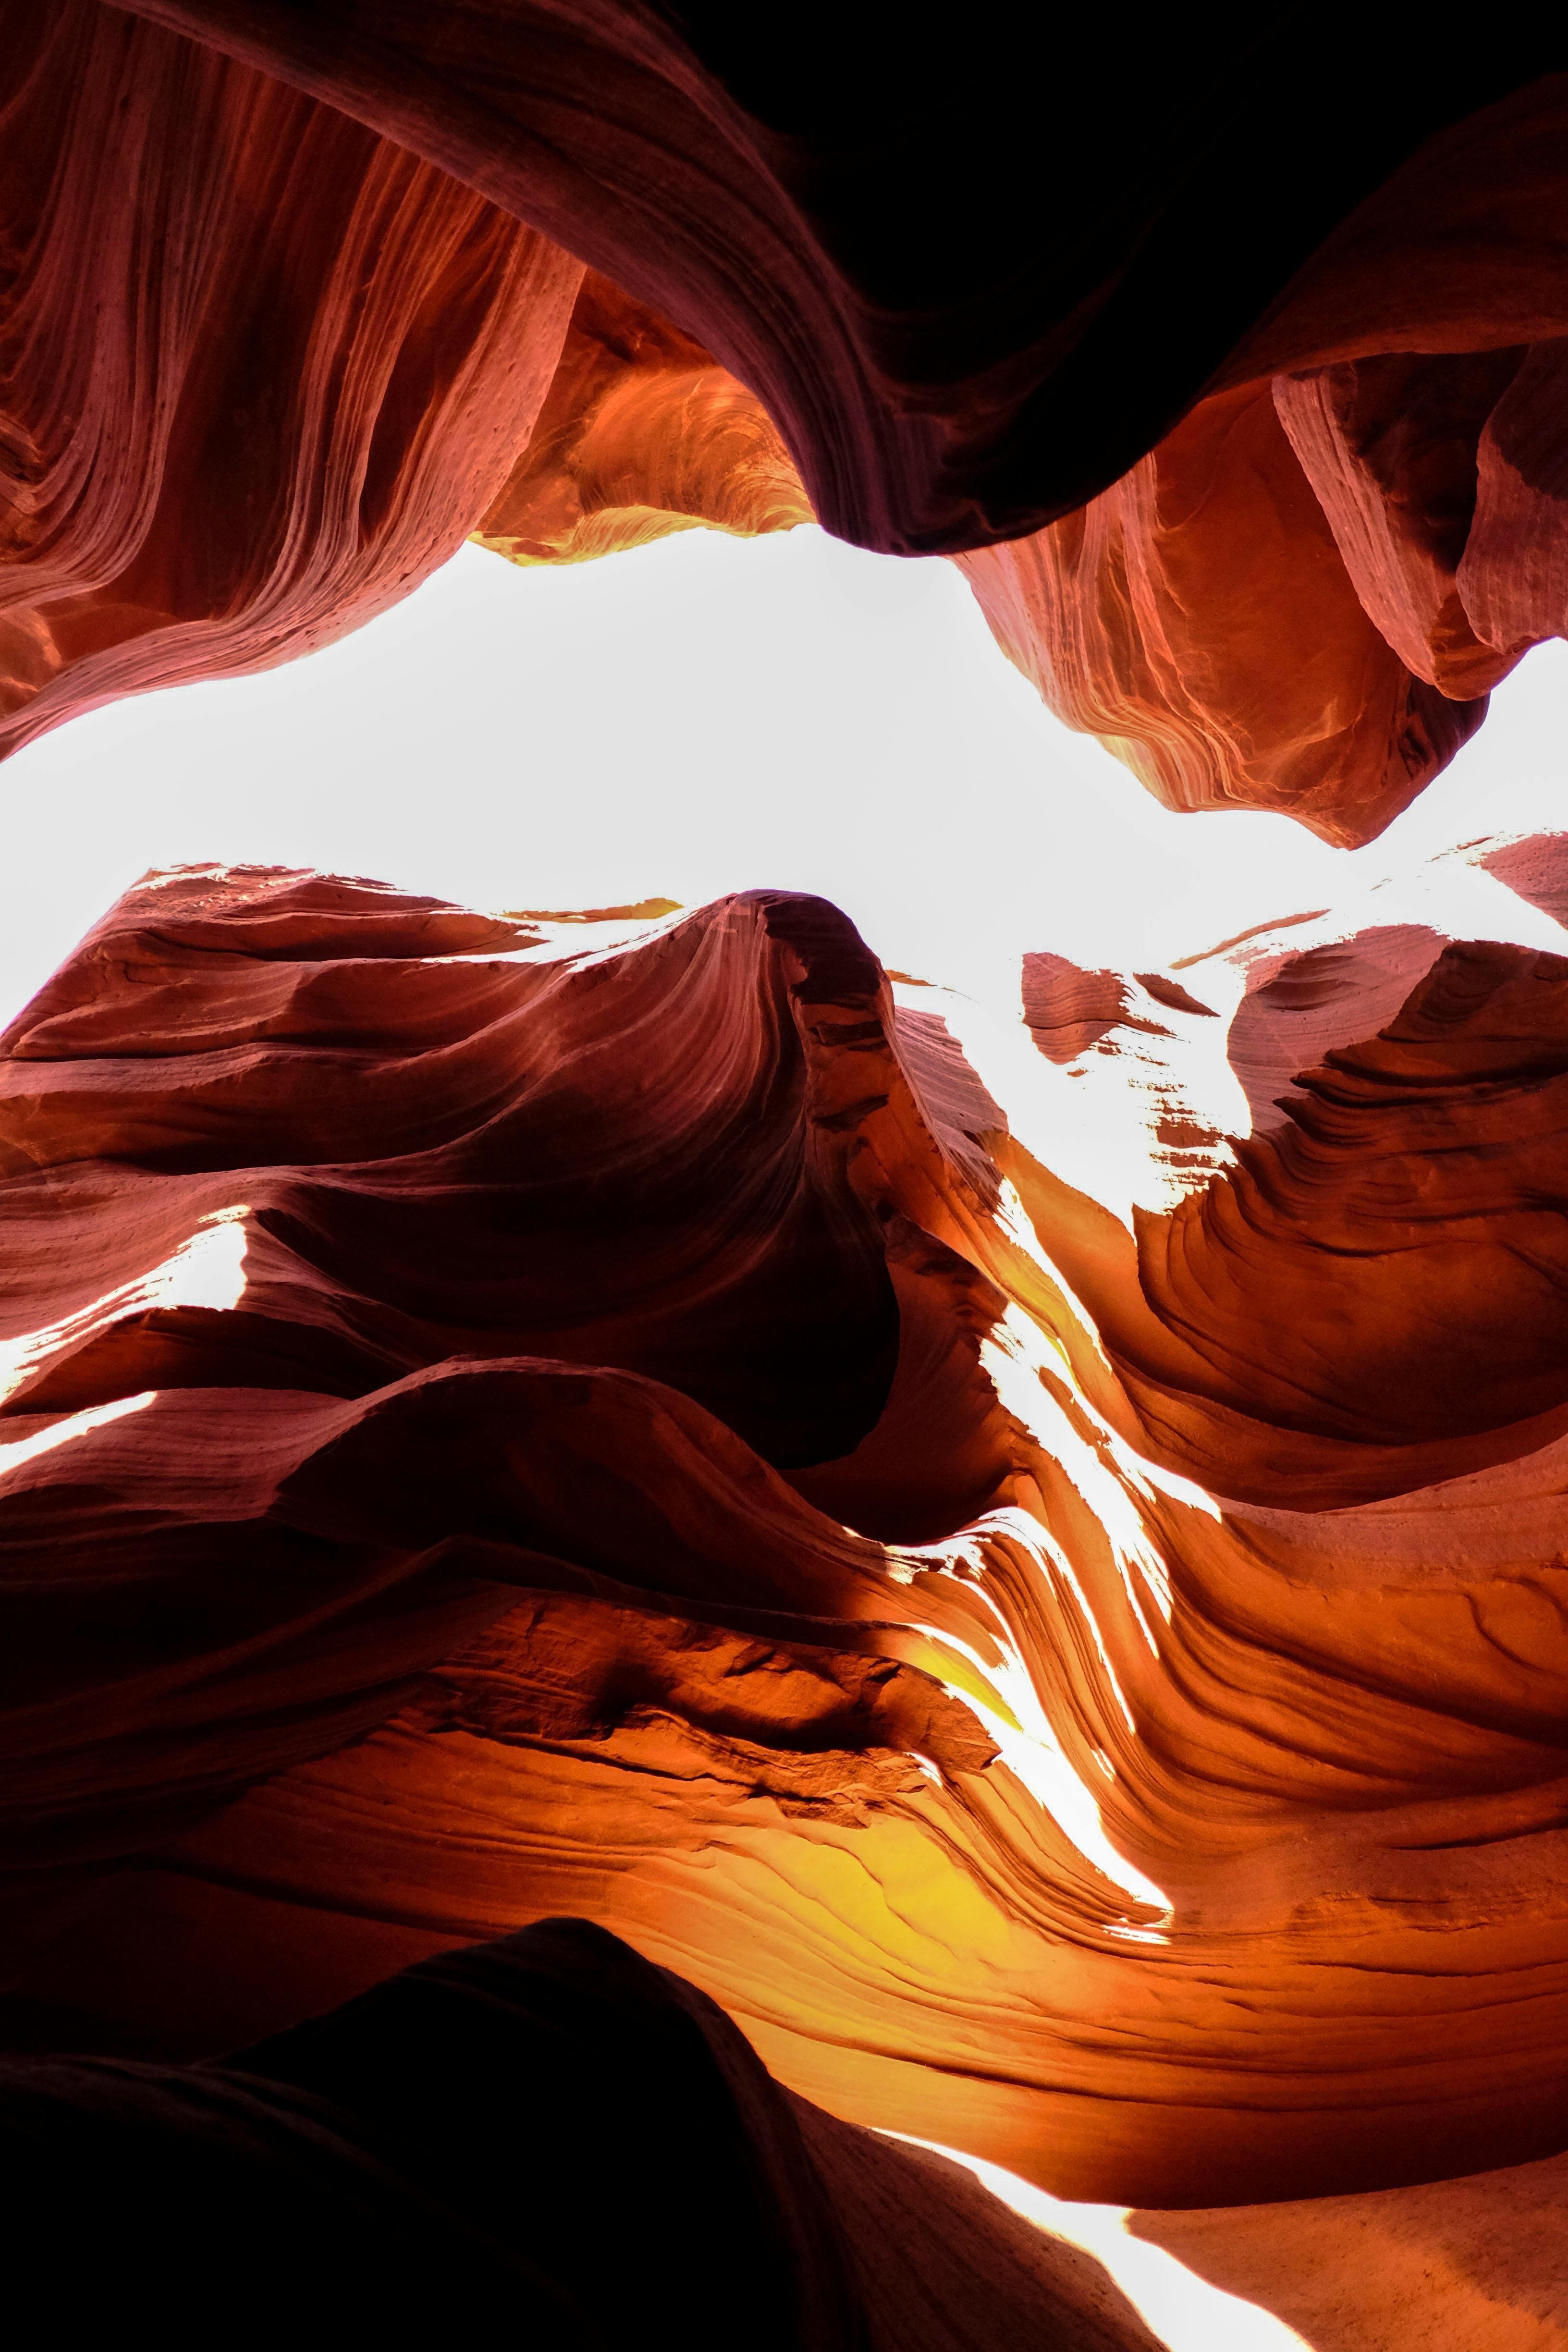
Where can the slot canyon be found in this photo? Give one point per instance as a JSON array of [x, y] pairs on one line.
[[702, 1640]]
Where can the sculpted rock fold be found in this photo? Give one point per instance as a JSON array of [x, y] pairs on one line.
[[1314, 628], [957, 342], [262, 369], [642, 435], [266, 372], [1200, 619], [1073, 1661], [1444, 480]]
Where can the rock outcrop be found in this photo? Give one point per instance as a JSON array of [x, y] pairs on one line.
[[1300, 600], [267, 370], [1270, 530], [263, 369], [1061, 1636], [1304, 611], [1201, 619], [642, 435], [961, 330]]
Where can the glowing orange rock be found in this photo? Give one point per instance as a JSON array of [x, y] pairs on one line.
[[642, 435], [1053, 1618], [1444, 480], [1040, 1585], [1199, 619]]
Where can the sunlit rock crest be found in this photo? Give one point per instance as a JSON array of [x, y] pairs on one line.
[[506, 1421], [641, 435]]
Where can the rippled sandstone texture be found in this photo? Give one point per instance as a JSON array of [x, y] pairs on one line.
[[262, 371], [1053, 1619], [1200, 619], [971, 344], [1301, 597], [641, 435], [871, 233], [1270, 530], [262, 368]]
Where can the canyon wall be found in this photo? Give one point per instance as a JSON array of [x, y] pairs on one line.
[[1052, 1615], [262, 369], [1271, 529], [962, 329], [267, 371], [1021, 1557]]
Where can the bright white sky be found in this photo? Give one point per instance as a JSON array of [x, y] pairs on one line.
[[705, 715]]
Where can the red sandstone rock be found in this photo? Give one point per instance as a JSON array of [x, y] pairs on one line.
[[1195, 617], [641, 435], [1476, 2263], [259, 443], [1066, 1010], [1513, 574], [263, 369], [1198, 618], [1070, 1655], [955, 342], [1192, 617], [1056, 1724], [1389, 447], [1443, 478]]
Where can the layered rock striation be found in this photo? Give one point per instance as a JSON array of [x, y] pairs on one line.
[[1024, 1561], [642, 434], [267, 371], [1299, 597], [262, 369], [1303, 597], [1200, 618], [1051, 1617], [962, 331], [1270, 530]]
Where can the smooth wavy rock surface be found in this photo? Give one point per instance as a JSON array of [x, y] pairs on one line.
[[642, 435], [1318, 636], [262, 369], [263, 372], [872, 236], [1201, 620], [1052, 1615], [1445, 480], [270, 370]]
